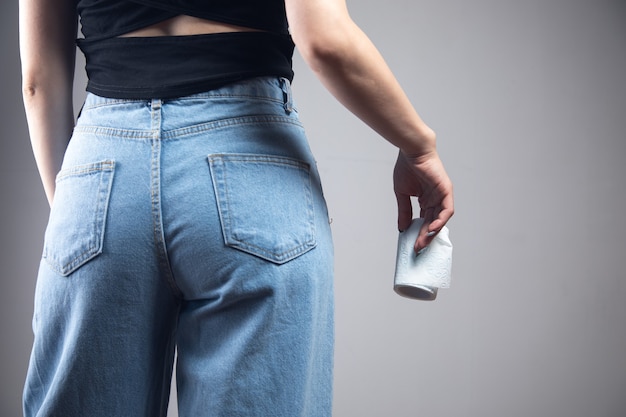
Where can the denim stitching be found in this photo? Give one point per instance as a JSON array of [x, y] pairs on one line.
[[109, 131], [105, 165], [108, 102], [227, 96], [106, 171], [224, 123], [190, 130], [155, 197], [220, 186]]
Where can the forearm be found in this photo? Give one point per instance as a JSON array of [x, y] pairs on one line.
[[47, 52], [352, 69], [49, 112]]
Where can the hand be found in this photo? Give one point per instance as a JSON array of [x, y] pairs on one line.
[[424, 177]]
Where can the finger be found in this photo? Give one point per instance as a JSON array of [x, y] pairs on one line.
[[424, 237], [446, 211], [430, 229], [405, 211]]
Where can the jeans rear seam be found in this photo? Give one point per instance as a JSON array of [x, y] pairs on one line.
[[155, 194]]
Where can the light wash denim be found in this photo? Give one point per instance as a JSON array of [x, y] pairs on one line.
[[195, 224]]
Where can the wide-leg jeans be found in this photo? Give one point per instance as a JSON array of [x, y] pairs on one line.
[[194, 225]]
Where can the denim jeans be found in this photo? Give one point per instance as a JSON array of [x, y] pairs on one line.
[[195, 225]]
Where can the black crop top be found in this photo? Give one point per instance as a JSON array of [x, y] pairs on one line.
[[171, 66]]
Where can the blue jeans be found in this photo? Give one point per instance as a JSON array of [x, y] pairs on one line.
[[194, 224]]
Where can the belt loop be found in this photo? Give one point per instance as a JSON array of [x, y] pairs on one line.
[[287, 96], [156, 105]]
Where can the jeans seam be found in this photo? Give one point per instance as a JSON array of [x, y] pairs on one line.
[[155, 196], [116, 132], [231, 122]]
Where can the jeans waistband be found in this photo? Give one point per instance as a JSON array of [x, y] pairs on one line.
[[250, 101], [269, 88]]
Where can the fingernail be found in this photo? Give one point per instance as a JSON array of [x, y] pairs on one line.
[[431, 234]]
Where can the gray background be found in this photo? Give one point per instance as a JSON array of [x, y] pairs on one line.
[[529, 103]]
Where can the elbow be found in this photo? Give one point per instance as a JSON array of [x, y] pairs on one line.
[[324, 52], [39, 87], [33, 82], [31, 94], [35, 95], [46, 80], [29, 90], [327, 46]]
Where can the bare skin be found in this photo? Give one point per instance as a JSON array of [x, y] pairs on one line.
[[186, 25], [340, 54], [352, 69]]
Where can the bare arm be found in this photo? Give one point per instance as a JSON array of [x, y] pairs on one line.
[[47, 49], [352, 69]]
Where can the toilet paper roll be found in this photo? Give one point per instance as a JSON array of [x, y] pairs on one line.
[[420, 275]]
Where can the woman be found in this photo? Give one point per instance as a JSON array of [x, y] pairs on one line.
[[187, 211]]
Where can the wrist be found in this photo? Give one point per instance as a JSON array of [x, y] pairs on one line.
[[421, 144]]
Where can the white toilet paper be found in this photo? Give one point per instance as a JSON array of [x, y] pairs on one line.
[[419, 276]]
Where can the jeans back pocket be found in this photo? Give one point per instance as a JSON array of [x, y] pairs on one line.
[[265, 204], [75, 230]]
